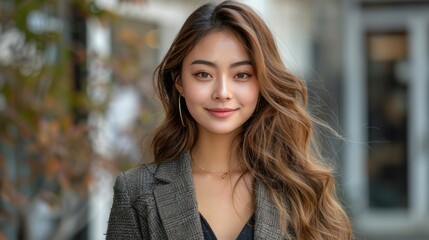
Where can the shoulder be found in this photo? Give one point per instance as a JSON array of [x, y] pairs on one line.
[[142, 179], [139, 175], [136, 180]]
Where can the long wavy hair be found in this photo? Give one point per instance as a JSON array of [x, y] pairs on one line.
[[275, 144]]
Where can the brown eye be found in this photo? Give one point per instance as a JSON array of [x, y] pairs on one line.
[[203, 75], [242, 75]]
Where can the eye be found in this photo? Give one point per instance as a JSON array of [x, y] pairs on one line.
[[242, 76], [203, 75]]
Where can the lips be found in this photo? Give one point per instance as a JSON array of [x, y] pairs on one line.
[[221, 112]]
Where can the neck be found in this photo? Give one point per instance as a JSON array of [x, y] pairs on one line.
[[214, 152]]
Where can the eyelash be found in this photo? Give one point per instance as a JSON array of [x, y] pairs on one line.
[[199, 75], [242, 73]]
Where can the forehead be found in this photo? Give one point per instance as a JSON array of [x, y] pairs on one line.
[[219, 45]]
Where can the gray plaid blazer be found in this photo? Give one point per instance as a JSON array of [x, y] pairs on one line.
[[158, 202]]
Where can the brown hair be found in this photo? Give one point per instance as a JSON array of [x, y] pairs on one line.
[[275, 144]]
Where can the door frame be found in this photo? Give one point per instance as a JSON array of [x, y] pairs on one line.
[[357, 22]]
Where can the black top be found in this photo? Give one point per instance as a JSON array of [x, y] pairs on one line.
[[245, 234]]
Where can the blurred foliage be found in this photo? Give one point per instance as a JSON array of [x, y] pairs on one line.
[[45, 145]]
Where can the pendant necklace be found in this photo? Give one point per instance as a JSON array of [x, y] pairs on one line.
[[223, 172]]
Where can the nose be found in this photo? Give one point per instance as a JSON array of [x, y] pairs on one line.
[[222, 91]]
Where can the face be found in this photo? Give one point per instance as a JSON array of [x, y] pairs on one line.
[[219, 84]]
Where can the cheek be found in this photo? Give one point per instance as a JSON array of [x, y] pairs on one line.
[[194, 92], [249, 93]]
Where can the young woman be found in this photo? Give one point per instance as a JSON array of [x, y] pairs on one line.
[[233, 158]]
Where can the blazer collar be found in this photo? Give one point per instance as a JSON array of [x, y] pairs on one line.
[[177, 205], [176, 201], [266, 215]]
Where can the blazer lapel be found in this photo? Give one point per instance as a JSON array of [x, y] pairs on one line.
[[266, 215], [176, 201]]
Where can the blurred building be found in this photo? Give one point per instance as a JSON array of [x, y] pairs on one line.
[[385, 48]]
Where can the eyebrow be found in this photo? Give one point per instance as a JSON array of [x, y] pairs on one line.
[[211, 64]]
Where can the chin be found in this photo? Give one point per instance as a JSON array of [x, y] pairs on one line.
[[219, 130]]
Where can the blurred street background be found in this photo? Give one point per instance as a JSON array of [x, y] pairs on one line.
[[77, 105]]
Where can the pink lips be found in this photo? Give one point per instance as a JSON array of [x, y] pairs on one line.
[[221, 112]]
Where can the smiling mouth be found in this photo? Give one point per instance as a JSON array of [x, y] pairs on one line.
[[221, 112]]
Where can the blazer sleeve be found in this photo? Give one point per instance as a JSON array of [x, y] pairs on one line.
[[123, 220]]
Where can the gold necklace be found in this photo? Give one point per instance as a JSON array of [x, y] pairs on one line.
[[224, 173]]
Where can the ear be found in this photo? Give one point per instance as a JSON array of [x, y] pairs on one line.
[[177, 83]]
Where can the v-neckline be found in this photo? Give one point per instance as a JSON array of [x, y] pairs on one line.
[[212, 236]]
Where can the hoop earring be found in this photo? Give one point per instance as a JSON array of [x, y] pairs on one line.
[[180, 112]]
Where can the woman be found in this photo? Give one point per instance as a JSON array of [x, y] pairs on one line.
[[232, 158]]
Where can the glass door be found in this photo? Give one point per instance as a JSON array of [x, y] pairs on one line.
[[387, 83], [386, 118]]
